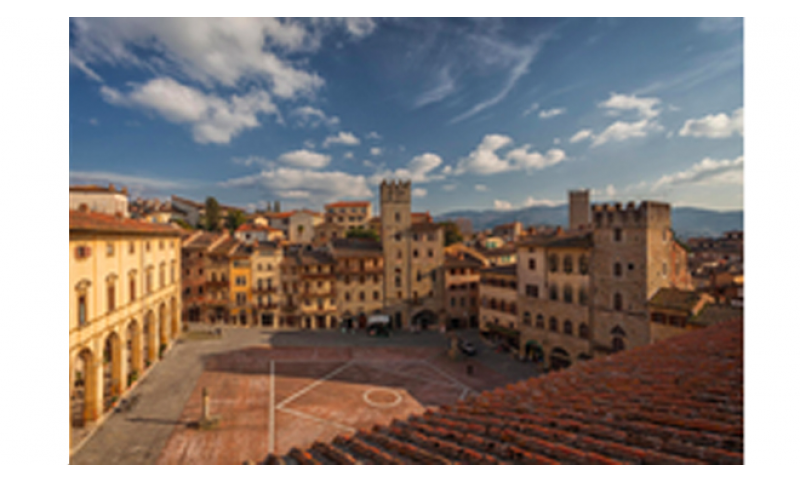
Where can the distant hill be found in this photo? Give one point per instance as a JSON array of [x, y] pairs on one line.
[[686, 221]]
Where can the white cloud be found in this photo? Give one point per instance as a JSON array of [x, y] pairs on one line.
[[484, 160], [449, 188], [212, 119], [304, 159], [359, 27], [443, 88], [368, 164], [419, 192], [622, 102], [316, 186], [623, 130], [343, 138], [551, 113], [309, 144], [481, 188], [419, 170], [706, 172], [224, 51], [531, 109], [556, 141], [447, 170], [348, 155], [532, 202], [375, 151], [373, 135], [74, 60], [715, 125], [502, 205], [581, 135], [611, 191], [253, 160], [313, 117]]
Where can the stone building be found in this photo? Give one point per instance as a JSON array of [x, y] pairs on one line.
[[327, 232], [462, 274], [309, 285], [348, 214], [93, 198], [413, 261], [218, 281], [257, 233], [124, 306], [241, 309], [579, 211], [359, 279], [498, 310], [265, 263], [194, 290]]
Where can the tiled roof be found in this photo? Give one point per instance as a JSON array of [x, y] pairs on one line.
[[505, 270], [673, 298], [348, 204], [357, 246], [424, 227], [257, 228], [98, 189], [101, 222], [679, 401], [225, 247], [715, 313]]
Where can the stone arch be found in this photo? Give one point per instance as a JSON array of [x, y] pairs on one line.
[[150, 339], [163, 329], [583, 331], [113, 378], [617, 339], [133, 343], [173, 314], [85, 404], [424, 319], [534, 351], [559, 358]]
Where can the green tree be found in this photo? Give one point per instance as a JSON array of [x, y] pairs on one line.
[[235, 219], [212, 214], [184, 224], [362, 233], [452, 234]]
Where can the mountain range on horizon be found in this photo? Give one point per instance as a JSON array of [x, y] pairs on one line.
[[686, 221]]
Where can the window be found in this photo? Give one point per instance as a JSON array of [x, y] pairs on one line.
[[617, 344], [147, 246], [583, 331], [111, 296], [160, 245], [583, 264], [433, 275], [109, 249], [630, 266], [568, 294], [532, 290], [397, 237], [532, 264], [132, 283], [172, 273], [161, 275], [618, 302], [397, 216], [430, 252], [149, 281], [583, 297], [553, 324], [618, 269], [82, 310], [540, 321], [416, 237], [554, 292], [375, 295], [131, 247], [397, 282], [361, 296], [399, 254], [568, 327], [526, 319], [416, 253], [452, 302], [568, 264], [241, 298], [617, 234], [419, 276], [553, 260]]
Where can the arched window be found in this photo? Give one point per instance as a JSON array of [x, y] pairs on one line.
[[553, 324], [617, 302], [82, 309], [583, 331], [512, 308], [397, 216], [112, 292], [617, 344], [583, 265], [526, 318], [540, 321], [554, 292], [493, 303], [567, 293], [502, 306], [553, 263], [618, 269], [568, 264], [583, 297], [568, 327]]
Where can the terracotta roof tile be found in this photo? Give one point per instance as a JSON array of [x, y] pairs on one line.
[[344, 204], [101, 222]]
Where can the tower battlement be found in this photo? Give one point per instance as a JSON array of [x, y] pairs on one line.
[[647, 213], [395, 191]]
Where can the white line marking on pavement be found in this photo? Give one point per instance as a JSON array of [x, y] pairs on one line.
[[451, 378], [378, 367], [311, 417], [310, 387]]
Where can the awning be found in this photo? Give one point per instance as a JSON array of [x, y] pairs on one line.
[[533, 344]]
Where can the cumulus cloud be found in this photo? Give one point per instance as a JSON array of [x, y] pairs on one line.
[[313, 117], [212, 119], [502, 205], [645, 107], [551, 113], [623, 130], [343, 138], [315, 186], [375, 151], [223, 51], [715, 125], [304, 159], [419, 192], [481, 188], [484, 160], [706, 172], [532, 202], [419, 170]]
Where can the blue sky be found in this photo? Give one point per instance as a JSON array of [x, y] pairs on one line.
[[478, 113]]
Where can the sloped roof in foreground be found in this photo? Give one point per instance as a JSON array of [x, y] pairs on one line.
[[679, 401]]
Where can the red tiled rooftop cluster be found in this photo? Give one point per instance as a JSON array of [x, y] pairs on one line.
[[679, 401]]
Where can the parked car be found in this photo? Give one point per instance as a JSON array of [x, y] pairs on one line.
[[467, 348]]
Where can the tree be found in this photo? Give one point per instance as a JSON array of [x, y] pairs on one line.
[[235, 219], [362, 233], [183, 224], [212, 214], [452, 234]]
